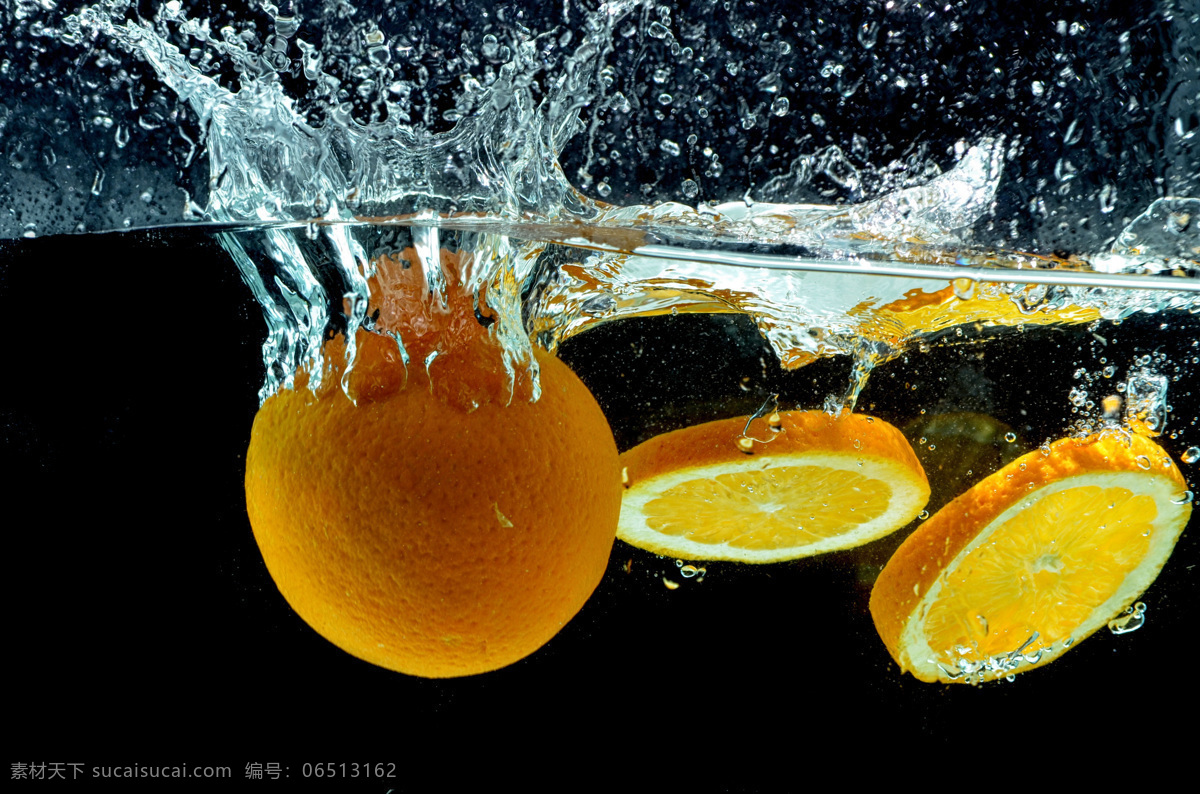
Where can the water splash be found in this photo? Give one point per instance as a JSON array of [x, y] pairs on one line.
[[322, 159]]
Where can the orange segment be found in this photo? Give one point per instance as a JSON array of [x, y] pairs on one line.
[[1031, 560], [817, 484]]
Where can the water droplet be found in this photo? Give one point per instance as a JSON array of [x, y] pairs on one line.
[[665, 99], [868, 33], [1038, 88], [1132, 618], [670, 147], [1108, 199], [1073, 134], [489, 47], [847, 84], [780, 106], [658, 30], [690, 188], [379, 55]]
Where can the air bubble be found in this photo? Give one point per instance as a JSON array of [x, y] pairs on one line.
[[1191, 455], [1132, 618], [780, 106]]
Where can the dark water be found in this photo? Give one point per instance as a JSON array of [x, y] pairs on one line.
[[138, 598]]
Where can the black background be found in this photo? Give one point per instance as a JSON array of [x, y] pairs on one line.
[[143, 626]]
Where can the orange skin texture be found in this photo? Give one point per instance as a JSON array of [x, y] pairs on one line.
[[920, 559], [434, 529], [800, 431]]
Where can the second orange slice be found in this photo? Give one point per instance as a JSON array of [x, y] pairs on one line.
[[803, 484], [1032, 560]]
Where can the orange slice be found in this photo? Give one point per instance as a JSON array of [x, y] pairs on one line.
[[799, 483], [1032, 560]]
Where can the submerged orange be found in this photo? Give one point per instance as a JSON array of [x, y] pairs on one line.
[[1032, 560], [434, 528]]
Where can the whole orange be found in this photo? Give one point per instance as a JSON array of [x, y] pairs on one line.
[[436, 528]]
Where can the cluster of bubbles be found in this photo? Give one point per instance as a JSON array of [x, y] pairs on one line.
[[1135, 403], [1004, 665]]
